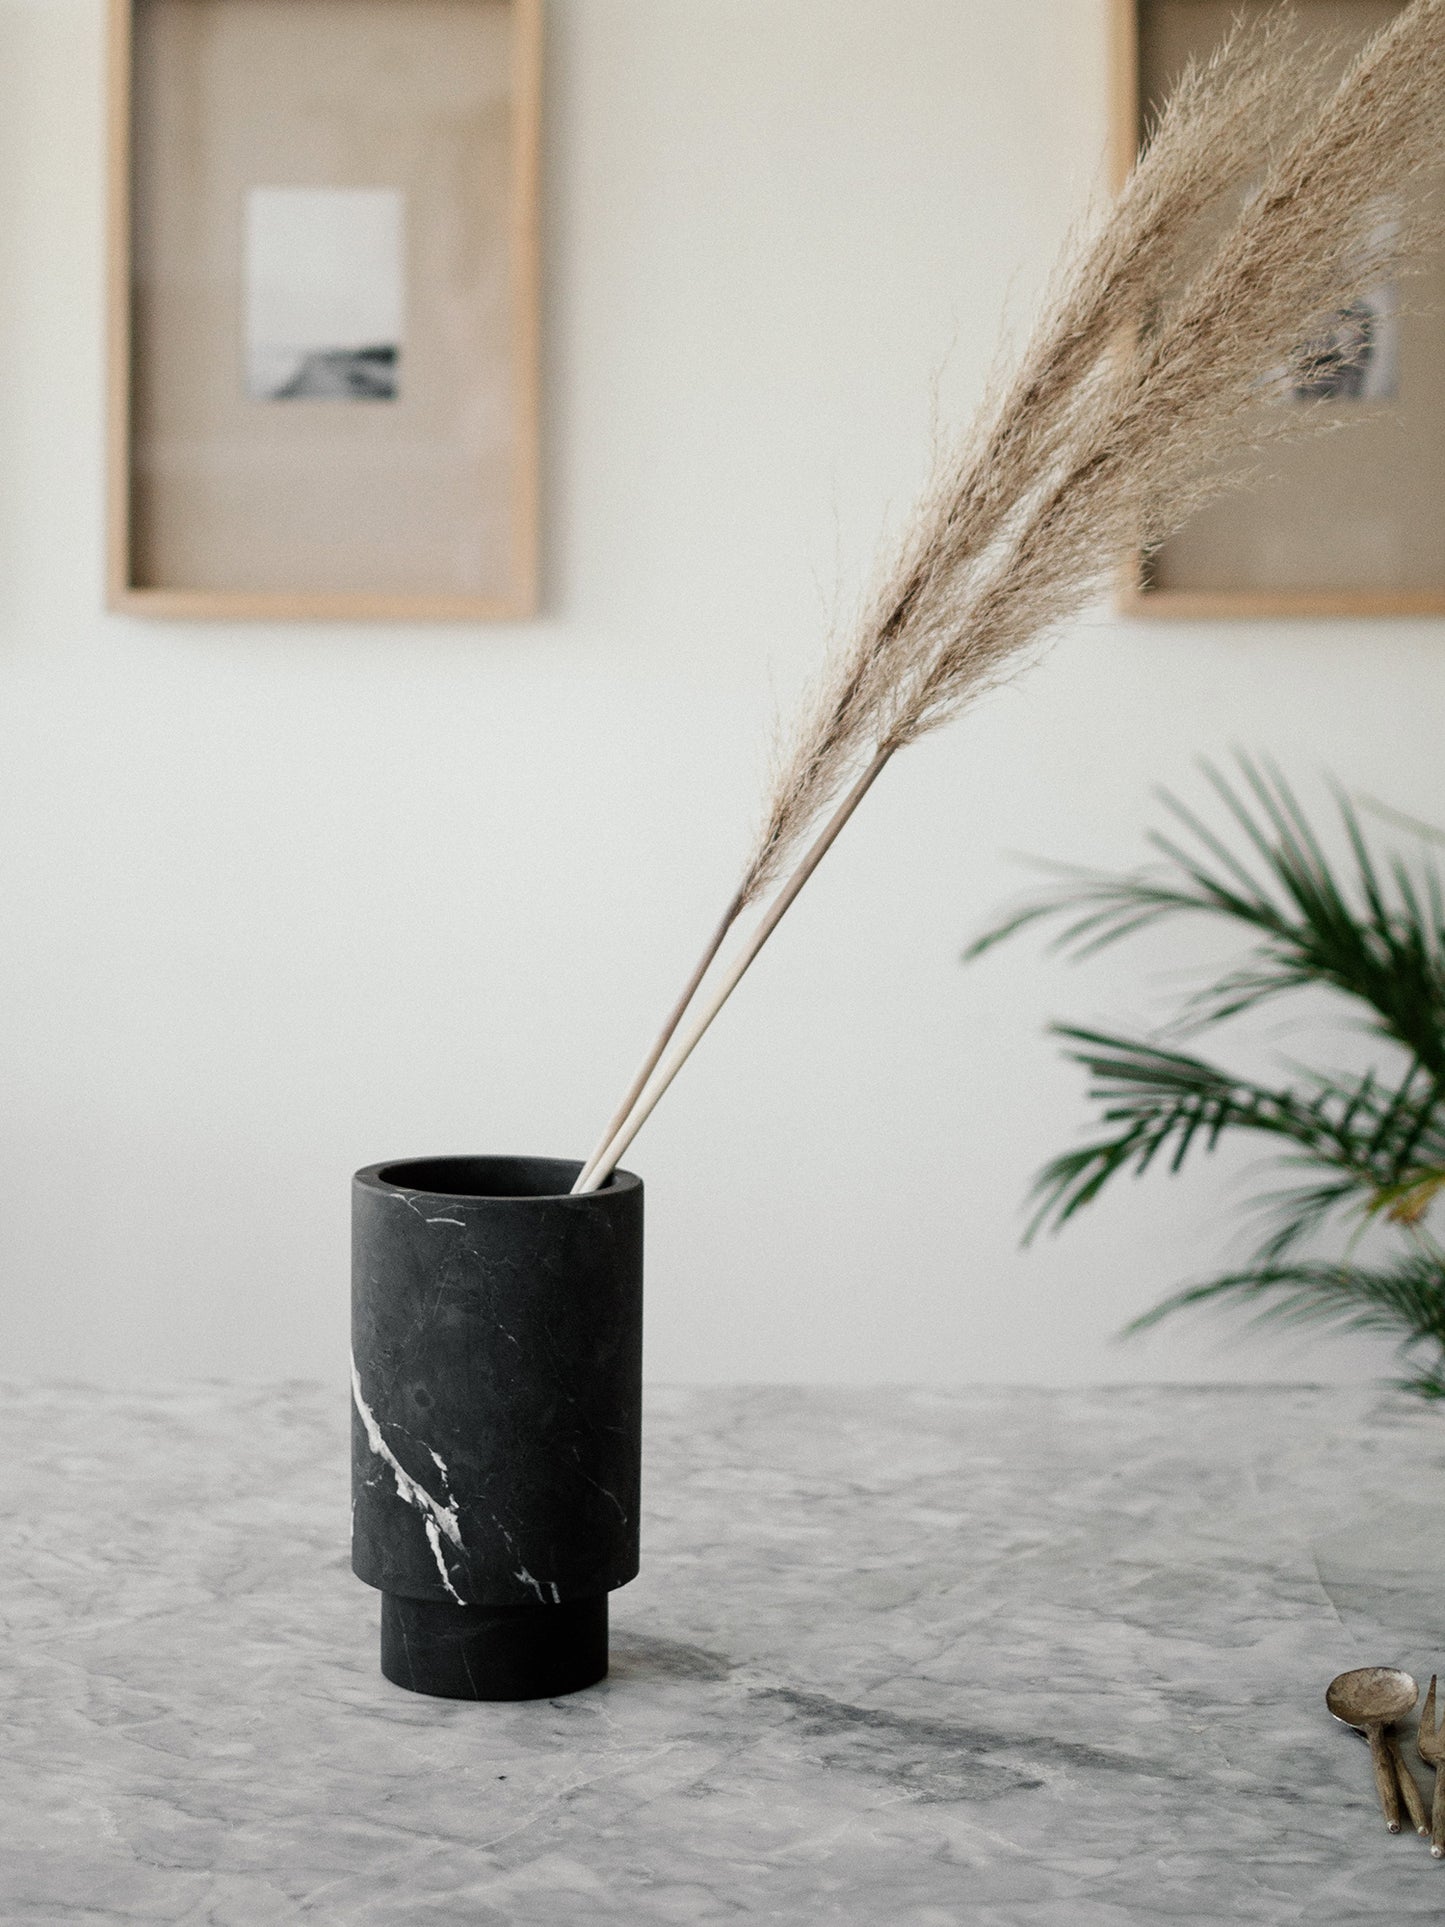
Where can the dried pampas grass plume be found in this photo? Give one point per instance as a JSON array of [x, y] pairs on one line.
[[1265, 201]]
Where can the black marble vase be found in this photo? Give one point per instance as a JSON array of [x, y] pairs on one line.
[[496, 1419]]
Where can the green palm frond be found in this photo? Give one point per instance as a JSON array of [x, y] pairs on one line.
[[1405, 1300], [1156, 1101], [1427, 1383], [1379, 938], [1367, 1151], [1292, 1217]]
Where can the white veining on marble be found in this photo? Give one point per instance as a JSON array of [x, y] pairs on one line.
[[413, 1205], [983, 1658], [434, 1540], [536, 1584], [597, 1486], [438, 1518]]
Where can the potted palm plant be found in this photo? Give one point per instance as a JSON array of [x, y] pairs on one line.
[[1344, 1239]]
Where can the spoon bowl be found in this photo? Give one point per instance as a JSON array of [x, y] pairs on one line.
[[1371, 1696]]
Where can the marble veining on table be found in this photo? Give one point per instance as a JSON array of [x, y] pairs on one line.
[[1005, 1658]]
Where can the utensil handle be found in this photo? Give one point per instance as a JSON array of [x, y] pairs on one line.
[[1386, 1785], [1437, 1816], [1413, 1798]]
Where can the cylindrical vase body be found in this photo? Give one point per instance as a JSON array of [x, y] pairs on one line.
[[496, 1418]]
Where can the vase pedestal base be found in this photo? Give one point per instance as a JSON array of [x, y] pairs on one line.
[[463, 1652]]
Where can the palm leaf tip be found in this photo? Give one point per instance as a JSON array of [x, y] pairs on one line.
[[1405, 1300]]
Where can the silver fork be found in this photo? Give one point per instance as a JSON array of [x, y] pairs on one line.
[[1430, 1745]]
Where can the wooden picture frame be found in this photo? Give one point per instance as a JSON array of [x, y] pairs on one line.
[[1321, 520], [393, 481]]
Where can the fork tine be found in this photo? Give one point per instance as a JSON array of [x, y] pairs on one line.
[[1420, 1820], [1437, 1804]]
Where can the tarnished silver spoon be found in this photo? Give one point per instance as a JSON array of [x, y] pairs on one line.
[[1372, 1698]]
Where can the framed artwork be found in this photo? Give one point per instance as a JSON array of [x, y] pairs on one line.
[[1349, 524], [323, 311]]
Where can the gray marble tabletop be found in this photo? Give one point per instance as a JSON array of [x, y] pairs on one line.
[[897, 1657]]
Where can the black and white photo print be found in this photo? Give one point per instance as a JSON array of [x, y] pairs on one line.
[[324, 292]]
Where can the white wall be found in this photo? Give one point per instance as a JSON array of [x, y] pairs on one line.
[[278, 901]]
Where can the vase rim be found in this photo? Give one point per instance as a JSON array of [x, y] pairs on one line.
[[489, 1180]]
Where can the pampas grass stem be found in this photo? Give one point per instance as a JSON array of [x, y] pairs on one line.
[[603, 1166], [660, 1043], [1150, 373]]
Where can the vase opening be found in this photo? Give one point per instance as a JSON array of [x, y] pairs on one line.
[[479, 1177]]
